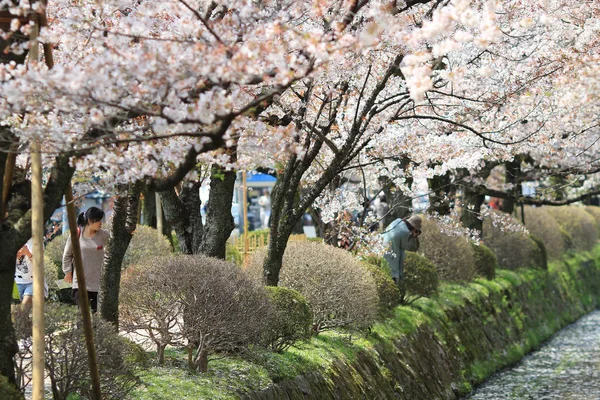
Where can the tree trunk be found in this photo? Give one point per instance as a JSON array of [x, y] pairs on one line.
[[161, 354], [149, 215], [281, 224], [512, 175], [124, 223], [442, 194], [400, 204], [203, 361], [183, 213], [320, 226], [149, 208], [471, 211], [219, 221], [274, 260], [8, 342]]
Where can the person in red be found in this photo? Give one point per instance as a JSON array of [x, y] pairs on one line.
[[495, 203], [92, 240]]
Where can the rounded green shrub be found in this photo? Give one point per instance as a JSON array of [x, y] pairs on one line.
[[340, 291], [541, 223], [55, 248], [290, 320], [52, 271], [485, 261], [8, 391], [387, 291], [451, 254], [594, 211], [513, 246], [145, 243], [379, 262], [420, 278], [579, 224]]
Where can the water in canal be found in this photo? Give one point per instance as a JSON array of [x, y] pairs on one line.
[[567, 367]]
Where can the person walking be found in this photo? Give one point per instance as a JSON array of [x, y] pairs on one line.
[[264, 202], [401, 235], [92, 240], [24, 277], [382, 209]]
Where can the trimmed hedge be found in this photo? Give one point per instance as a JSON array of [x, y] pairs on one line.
[[540, 222], [290, 321], [420, 278], [513, 249], [579, 224], [387, 291], [340, 291], [485, 261], [451, 254]]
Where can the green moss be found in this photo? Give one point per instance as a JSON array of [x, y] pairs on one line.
[[172, 383], [226, 378], [512, 277], [404, 321]]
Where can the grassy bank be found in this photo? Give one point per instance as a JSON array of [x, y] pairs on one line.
[[461, 336]]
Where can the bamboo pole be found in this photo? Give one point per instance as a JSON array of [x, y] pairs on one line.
[[37, 232], [245, 205], [83, 297]]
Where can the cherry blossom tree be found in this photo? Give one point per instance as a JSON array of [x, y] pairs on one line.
[[413, 89]]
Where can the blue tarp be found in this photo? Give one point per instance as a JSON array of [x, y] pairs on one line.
[[257, 179]]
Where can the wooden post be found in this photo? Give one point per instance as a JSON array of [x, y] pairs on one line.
[[245, 205], [83, 297], [159, 216]]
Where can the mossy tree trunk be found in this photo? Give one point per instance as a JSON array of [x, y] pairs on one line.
[[123, 225], [182, 210], [219, 221]]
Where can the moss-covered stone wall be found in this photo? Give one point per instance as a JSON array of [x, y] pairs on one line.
[[439, 348]]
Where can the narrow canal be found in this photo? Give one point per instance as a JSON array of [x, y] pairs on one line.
[[567, 367]]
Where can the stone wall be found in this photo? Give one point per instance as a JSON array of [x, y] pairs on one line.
[[464, 340]]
